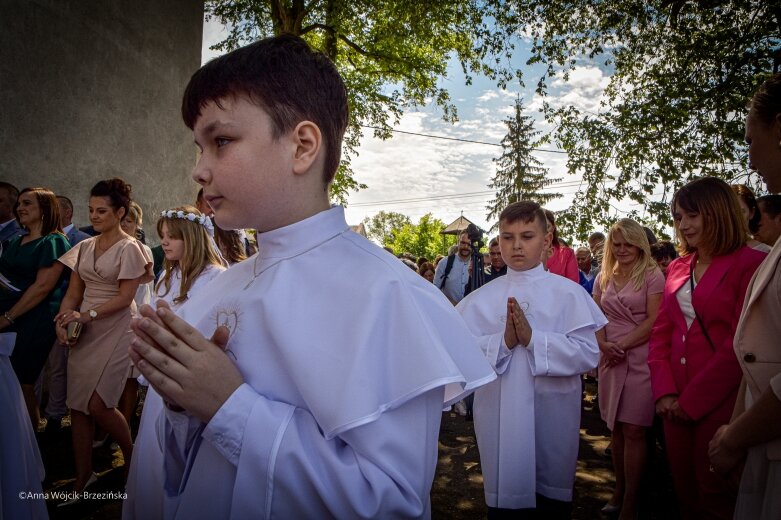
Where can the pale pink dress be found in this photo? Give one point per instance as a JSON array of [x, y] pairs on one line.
[[625, 389], [99, 360]]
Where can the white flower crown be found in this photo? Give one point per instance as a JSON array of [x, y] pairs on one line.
[[203, 220]]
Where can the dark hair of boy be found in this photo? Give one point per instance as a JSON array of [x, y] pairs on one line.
[[526, 211], [287, 79]]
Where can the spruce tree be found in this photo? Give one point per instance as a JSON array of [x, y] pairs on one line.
[[519, 175]]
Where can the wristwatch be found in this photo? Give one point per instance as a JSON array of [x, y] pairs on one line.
[[93, 314]]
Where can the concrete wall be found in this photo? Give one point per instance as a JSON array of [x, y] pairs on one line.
[[92, 89]]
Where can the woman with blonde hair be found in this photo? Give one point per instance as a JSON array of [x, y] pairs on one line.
[[190, 252], [628, 289], [694, 372]]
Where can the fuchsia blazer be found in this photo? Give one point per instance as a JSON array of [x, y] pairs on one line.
[[682, 361]]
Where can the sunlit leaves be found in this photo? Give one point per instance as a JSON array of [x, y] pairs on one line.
[[392, 54]]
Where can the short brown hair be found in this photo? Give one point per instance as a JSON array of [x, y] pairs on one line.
[[725, 229], [526, 211], [49, 208], [426, 266]]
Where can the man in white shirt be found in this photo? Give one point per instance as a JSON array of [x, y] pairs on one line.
[[452, 273], [338, 359]]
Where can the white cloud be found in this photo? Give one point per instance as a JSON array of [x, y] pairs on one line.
[[583, 90]]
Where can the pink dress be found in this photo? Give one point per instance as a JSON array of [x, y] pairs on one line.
[[625, 389]]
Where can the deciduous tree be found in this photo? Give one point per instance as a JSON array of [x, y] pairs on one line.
[[382, 226], [392, 54], [681, 74]]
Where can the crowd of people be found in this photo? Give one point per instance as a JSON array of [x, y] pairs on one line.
[[305, 375]]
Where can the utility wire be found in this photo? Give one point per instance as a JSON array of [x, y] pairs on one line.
[[395, 130], [568, 184], [454, 138]]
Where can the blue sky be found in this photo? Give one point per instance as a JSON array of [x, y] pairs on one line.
[[438, 173]]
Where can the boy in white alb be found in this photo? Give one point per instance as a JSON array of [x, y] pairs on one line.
[[327, 398], [537, 330]]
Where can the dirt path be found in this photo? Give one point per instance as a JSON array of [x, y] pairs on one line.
[[457, 493]]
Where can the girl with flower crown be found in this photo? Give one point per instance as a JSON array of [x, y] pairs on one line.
[[191, 257], [191, 260]]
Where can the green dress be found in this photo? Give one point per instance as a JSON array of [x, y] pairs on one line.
[[35, 328]]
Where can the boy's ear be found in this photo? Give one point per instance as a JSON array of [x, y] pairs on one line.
[[308, 140]]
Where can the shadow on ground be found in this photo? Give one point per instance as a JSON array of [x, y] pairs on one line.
[[457, 491]]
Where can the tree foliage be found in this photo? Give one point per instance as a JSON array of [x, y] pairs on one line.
[[382, 226], [396, 231], [422, 239], [519, 175], [392, 54], [682, 73]]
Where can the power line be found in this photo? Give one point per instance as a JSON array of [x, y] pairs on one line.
[[395, 130], [454, 138], [568, 184]]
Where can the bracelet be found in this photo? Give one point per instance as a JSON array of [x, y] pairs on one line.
[[8, 318]]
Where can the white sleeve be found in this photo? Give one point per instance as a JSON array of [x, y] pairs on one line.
[[286, 468], [496, 352], [563, 354]]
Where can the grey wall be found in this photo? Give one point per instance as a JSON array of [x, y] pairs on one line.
[[92, 89]]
